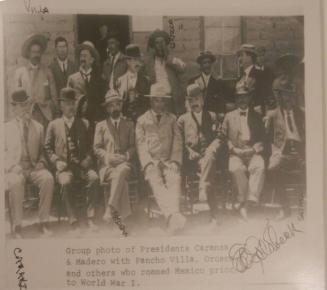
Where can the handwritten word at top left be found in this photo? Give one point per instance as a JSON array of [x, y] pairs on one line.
[[35, 9]]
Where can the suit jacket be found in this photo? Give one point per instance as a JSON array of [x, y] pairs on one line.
[[174, 71], [264, 82], [40, 86], [108, 140], [61, 78], [56, 141], [14, 143], [91, 94], [119, 69], [215, 93], [232, 129], [191, 133], [142, 87], [158, 141], [276, 126]]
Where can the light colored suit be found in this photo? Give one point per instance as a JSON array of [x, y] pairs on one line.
[[248, 188], [160, 144], [40, 86], [207, 147], [15, 182], [109, 140]]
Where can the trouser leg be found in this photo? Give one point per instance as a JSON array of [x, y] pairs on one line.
[[238, 171], [92, 192], [16, 187], [256, 177], [174, 190]]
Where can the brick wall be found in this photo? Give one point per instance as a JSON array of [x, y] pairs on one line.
[[18, 27]]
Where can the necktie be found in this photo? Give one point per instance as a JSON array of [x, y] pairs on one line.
[[63, 68], [25, 130], [289, 121], [158, 118], [243, 114], [116, 125]]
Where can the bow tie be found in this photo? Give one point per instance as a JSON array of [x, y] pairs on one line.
[[243, 114]]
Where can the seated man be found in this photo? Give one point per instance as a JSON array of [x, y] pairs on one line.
[[198, 130], [68, 145], [244, 130], [159, 146], [286, 129], [24, 161], [114, 147]]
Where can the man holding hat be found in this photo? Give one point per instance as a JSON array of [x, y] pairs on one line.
[[162, 67], [88, 84], [37, 80], [68, 145], [286, 127], [245, 133], [115, 65], [250, 76], [133, 85], [213, 89], [114, 147], [198, 128], [24, 161], [159, 147]]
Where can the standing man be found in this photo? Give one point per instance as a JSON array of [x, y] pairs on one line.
[[250, 76], [115, 65], [214, 92], [159, 147], [162, 67], [61, 66], [286, 127], [68, 145], [37, 80], [101, 43], [88, 84], [244, 130], [198, 128], [133, 85], [24, 161], [114, 147]]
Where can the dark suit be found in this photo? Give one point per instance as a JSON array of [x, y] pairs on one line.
[[264, 82], [60, 77], [215, 93], [116, 70], [75, 178], [137, 107]]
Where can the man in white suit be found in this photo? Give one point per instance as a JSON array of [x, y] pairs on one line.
[[24, 161]]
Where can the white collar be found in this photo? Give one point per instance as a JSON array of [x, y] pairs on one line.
[[248, 69], [155, 114], [199, 114], [86, 72], [32, 66], [113, 121], [244, 111], [68, 121], [205, 76], [62, 61], [131, 74]]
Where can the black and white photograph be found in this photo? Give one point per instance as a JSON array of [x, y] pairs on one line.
[[162, 148]]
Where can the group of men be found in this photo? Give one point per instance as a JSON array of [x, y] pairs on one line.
[[121, 113]]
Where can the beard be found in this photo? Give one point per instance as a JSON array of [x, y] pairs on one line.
[[115, 114]]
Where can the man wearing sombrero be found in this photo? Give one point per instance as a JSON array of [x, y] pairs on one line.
[[245, 133], [159, 146], [37, 80], [162, 67], [114, 147], [88, 83], [133, 85], [214, 92], [286, 127]]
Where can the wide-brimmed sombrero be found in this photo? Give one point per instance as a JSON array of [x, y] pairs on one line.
[[39, 39]]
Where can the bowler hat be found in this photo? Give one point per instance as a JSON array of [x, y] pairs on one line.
[[111, 96], [67, 94], [39, 39], [132, 51], [88, 45], [19, 96], [159, 90], [287, 60], [158, 33], [246, 47], [205, 54], [193, 90]]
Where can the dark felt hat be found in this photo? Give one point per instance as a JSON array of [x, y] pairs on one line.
[[67, 94], [205, 54], [132, 51], [288, 60], [39, 39], [158, 33], [19, 96]]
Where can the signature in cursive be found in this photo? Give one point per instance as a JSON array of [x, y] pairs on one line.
[[256, 250], [20, 269], [33, 9]]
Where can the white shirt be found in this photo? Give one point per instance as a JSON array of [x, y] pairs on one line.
[[161, 72], [206, 79], [69, 122], [131, 80], [113, 60], [198, 117], [245, 130], [86, 74], [115, 122], [247, 71], [291, 135], [63, 64]]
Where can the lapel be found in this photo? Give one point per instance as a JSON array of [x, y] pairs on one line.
[[59, 71], [113, 132], [62, 130], [17, 138]]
